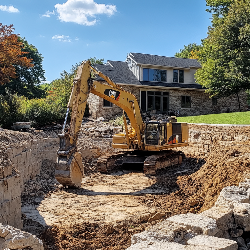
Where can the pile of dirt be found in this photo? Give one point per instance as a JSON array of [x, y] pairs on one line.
[[199, 191], [91, 236]]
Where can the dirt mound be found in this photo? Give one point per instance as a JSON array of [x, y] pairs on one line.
[[199, 191], [90, 236]]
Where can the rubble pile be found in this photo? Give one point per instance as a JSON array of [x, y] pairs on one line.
[[95, 140], [34, 192], [36, 189]]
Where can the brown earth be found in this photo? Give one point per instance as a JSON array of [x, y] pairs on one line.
[[109, 209]]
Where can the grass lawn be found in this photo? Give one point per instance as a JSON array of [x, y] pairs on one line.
[[224, 118]]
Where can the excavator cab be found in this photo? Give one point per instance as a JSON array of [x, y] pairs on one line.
[[165, 134]]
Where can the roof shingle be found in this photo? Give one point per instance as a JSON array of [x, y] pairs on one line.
[[164, 61]]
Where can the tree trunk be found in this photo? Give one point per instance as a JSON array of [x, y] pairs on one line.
[[238, 101]]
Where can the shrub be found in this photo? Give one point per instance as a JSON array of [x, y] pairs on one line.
[[9, 110]]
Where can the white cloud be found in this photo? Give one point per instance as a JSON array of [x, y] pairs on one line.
[[10, 9], [62, 38], [83, 11], [49, 13]]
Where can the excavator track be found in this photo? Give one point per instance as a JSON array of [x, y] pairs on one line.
[[151, 161]]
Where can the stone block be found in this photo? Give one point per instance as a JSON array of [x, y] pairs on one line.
[[232, 195], [163, 231], [197, 223], [242, 215], [214, 243], [157, 245], [222, 215], [3, 231]]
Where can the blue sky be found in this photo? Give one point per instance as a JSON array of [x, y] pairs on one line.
[[67, 32]]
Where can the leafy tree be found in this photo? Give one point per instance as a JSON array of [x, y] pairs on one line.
[[219, 7], [189, 51], [225, 53], [93, 60], [27, 80], [11, 54]]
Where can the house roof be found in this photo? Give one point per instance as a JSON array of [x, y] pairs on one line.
[[147, 59], [120, 73]]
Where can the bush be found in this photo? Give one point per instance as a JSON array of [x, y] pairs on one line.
[[42, 111], [9, 110]]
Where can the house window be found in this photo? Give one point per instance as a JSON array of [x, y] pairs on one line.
[[214, 101], [178, 75], [186, 101], [107, 103], [154, 100], [157, 75]]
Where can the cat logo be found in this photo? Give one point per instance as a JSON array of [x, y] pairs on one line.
[[112, 93]]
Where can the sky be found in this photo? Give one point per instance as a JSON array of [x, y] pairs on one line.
[[67, 32]]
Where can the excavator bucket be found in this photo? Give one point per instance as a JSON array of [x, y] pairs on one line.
[[69, 171], [69, 168]]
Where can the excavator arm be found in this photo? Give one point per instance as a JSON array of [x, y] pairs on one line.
[[69, 170]]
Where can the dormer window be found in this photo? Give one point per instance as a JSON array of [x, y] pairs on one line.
[[178, 75], [157, 75]]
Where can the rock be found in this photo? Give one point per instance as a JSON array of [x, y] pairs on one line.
[[196, 223], [242, 215], [235, 232], [149, 245], [241, 242], [214, 243], [163, 231], [222, 215], [17, 239], [229, 196]]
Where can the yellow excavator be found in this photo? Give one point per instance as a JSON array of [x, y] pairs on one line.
[[138, 135]]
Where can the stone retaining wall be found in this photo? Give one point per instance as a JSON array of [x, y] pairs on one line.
[[203, 138], [22, 162]]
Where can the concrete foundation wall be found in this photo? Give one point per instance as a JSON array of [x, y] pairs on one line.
[[24, 163]]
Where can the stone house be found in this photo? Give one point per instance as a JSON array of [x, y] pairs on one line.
[[163, 85]]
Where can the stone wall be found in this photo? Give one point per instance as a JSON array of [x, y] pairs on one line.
[[21, 159], [203, 138], [201, 104]]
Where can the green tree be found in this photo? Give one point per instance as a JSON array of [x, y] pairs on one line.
[[27, 79], [219, 7], [225, 53], [93, 60], [189, 51]]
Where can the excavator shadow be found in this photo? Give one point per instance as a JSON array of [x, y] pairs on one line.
[[130, 181]]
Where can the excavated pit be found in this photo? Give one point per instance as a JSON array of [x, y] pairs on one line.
[[109, 209]]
